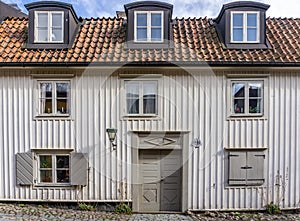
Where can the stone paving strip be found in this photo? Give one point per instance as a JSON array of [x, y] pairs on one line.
[[26, 212]]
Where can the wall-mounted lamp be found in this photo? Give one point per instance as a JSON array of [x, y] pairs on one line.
[[112, 132]]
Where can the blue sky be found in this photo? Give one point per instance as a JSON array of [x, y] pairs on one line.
[[182, 8]]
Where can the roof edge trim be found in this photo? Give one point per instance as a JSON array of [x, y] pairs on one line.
[[45, 4], [240, 4], [138, 4]]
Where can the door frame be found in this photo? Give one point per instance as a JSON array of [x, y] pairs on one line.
[[183, 145]]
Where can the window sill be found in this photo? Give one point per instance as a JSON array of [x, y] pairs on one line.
[[246, 116], [231, 186], [53, 117], [245, 148], [140, 116], [53, 185]]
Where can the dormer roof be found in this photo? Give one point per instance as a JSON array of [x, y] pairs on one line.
[[43, 33], [241, 5]]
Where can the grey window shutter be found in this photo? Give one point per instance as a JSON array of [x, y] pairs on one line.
[[255, 161], [24, 168], [79, 169], [237, 175]]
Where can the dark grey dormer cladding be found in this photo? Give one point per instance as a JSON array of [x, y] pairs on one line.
[[223, 24], [10, 10], [149, 6], [70, 24]]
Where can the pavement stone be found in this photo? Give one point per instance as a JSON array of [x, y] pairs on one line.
[[26, 212], [160, 217]]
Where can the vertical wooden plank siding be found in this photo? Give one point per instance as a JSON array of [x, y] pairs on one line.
[[195, 102]]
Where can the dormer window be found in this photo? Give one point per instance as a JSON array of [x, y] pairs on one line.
[[242, 25], [49, 26], [148, 26], [245, 27]]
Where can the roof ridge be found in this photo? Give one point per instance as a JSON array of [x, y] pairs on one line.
[[12, 18], [282, 18], [192, 18], [101, 18]]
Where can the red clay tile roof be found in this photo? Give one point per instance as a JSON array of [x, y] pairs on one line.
[[195, 40]]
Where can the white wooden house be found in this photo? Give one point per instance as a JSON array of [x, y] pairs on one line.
[[206, 110]]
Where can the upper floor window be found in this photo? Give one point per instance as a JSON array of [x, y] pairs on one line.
[[148, 26], [141, 97], [244, 27], [247, 97], [49, 26], [54, 98]]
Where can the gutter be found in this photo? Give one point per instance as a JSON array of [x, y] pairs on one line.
[[154, 64]]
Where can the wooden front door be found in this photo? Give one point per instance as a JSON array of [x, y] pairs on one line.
[[160, 177]]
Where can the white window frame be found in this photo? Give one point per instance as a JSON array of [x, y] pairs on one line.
[[148, 26], [245, 26], [49, 27], [140, 114], [54, 170], [246, 98], [54, 99]]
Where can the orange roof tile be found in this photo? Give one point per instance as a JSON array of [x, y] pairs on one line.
[[195, 40]]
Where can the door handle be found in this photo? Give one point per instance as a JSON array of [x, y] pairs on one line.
[[246, 168]]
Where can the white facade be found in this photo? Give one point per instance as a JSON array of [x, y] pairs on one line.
[[195, 102]]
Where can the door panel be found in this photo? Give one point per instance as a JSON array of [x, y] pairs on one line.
[[171, 181], [150, 189], [160, 176]]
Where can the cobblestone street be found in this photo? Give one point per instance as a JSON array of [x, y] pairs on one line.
[[28, 212]]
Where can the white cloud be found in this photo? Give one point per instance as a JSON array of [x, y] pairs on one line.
[[202, 8], [181, 8]]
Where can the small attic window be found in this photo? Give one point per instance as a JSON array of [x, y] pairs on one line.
[[148, 26], [242, 25], [49, 26], [245, 27]]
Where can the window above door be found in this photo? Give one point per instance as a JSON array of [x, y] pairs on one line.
[[141, 98]]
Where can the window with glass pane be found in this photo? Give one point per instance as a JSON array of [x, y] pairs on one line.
[[255, 97], [132, 97], [156, 27], [141, 26], [238, 27], [244, 27], [149, 97], [62, 97], [56, 34], [42, 27], [148, 26], [251, 27], [62, 169], [46, 175], [141, 97], [247, 97], [54, 98], [238, 91], [54, 168], [49, 27]]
